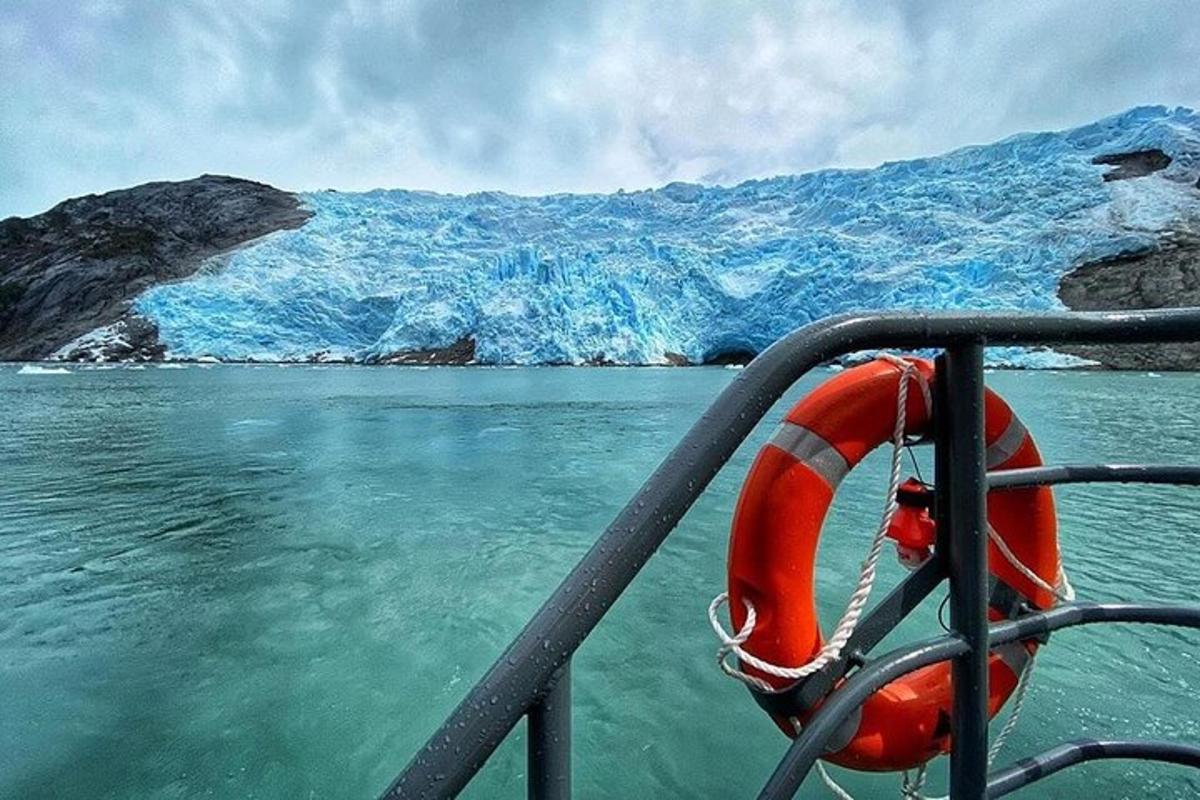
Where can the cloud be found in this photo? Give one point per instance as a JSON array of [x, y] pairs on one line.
[[546, 96]]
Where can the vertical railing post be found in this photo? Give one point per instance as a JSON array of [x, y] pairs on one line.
[[549, 766], [962, 522]]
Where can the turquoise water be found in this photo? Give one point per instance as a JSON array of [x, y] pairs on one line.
[[275, 582]]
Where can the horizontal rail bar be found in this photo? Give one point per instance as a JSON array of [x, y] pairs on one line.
[[1093, 473], [810, 744], [456, 751], [1070, 615], [1028, 770]]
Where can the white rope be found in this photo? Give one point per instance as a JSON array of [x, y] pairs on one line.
[[911, 789], [733, 644], [833, 786], [1064, 591], [1010, 724], [832, 649]]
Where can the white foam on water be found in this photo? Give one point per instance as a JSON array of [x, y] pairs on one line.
[[37, 369]]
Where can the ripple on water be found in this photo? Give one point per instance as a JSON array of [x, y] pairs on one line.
[[277, 582]]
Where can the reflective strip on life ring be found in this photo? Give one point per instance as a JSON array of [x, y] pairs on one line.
[[811, 450], [777, 526]]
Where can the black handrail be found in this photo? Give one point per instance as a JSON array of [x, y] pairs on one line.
[[520, 676], [1093, 473], [810, 744], [1028, 770]]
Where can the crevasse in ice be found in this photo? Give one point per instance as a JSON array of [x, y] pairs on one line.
[[694, 270]]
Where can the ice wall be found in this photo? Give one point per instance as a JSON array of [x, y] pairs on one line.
[[685, 269]]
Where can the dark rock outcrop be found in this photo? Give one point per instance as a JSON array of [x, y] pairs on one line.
[[76, 267], [1134, 164], [737, 356], [132, 338], [458, 354], [1166, 277]]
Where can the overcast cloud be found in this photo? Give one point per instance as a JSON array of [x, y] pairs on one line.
[[541, 96]]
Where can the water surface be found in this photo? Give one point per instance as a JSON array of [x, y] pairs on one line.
[[266, 582]]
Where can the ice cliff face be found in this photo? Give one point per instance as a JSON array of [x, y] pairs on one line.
[[685, 269]]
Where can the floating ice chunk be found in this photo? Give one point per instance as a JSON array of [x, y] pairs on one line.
[[38, 369]]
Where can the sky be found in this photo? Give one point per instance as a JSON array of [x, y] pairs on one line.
[[536, 96]]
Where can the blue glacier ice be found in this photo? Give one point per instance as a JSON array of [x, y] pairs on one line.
[[687, 269]]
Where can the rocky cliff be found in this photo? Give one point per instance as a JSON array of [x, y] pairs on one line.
[[1168, 276], [78, 266], [1164, 275]]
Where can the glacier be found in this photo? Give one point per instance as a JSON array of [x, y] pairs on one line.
[[699, 271]]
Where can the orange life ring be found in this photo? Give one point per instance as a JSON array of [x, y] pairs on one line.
[[777, 525]]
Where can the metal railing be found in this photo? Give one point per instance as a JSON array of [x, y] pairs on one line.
[[532, 677]]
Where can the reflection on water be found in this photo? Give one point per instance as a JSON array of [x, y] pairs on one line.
[[275, 582]]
